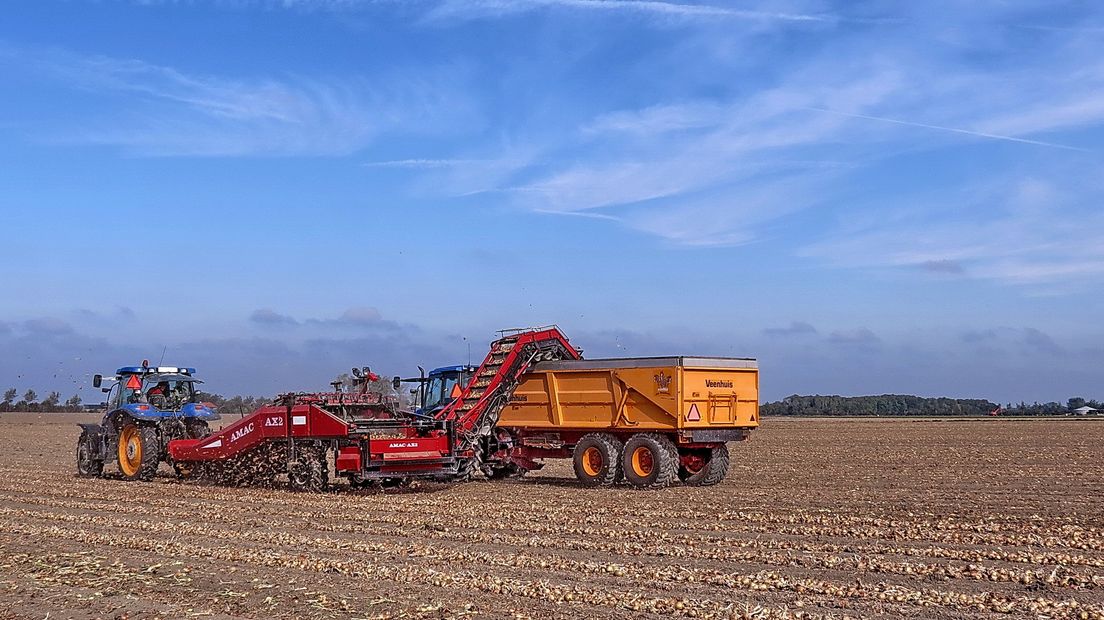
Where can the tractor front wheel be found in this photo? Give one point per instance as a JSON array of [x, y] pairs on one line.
[[87, 463], [139, 452]]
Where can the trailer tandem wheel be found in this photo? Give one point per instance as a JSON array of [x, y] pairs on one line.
[[650, 460], [597, 459]]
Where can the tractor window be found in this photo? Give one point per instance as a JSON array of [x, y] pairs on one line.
[[169, 393], [183, 391], [439, 390], [113, 401], [449, 388], [434, 392], [131, 395]]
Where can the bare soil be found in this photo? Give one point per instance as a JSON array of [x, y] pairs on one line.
[[817, 518]]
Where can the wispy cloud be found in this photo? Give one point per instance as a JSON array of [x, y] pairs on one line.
[[1029, 233], [861, 337], [270, 318], [585, 214], [966, 132], [356, 318], [474, 9], [943, 266], [723, 169], [795, 328], [423, 163], [160, 110]]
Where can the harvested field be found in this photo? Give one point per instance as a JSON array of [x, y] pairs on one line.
[[818, 518]]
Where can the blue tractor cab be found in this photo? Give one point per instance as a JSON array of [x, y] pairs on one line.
[[440, 387], [147, 407], [155, 393]]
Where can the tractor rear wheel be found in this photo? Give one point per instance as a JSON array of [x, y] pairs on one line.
[[703, 467], [650, 460], [139, 451], [597, 459], [87, 463]]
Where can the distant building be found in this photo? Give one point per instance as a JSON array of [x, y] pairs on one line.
[[1086, 410]]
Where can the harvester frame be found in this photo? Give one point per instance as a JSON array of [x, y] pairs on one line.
[[371, 440]]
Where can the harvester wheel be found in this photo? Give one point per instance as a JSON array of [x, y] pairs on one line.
[[465, 471], [139, 452], [597, 459], [650, 461], [87, 464], [308, 473], [503, 471], [703, 467], [358, 481]]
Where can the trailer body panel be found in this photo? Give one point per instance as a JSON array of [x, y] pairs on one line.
[[671, 394]]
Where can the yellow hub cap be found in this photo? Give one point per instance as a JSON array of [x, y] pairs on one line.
[[130, 450], [592, 461], [642, 462]]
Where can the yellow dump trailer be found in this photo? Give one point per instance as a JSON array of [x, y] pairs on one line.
[[651, 421]]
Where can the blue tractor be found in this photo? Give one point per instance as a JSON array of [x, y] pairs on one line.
[[147, 407], [441, 387]]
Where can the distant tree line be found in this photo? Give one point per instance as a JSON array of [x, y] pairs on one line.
[[232, 405], [905, 405], [51, 404], [1051, 408]]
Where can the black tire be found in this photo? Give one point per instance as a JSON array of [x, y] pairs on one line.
[[87, 464], [503, 471], [308, 473], [357, 481], [597, 459], [197, 429], [650, 461], [468, 467], [139, 451], [714, 469]]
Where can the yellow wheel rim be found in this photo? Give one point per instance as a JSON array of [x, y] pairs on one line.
[[592, 461], [642, 462], [130, 450]]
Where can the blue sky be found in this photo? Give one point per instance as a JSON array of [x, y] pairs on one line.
[[868, 197]]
